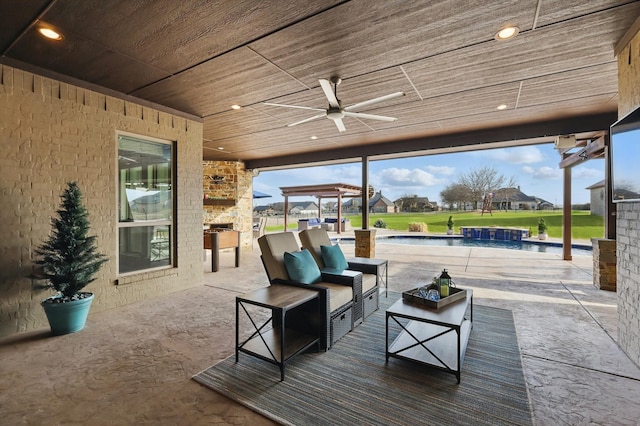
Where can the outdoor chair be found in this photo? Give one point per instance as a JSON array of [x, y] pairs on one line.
[[327, 254], [339, 291]]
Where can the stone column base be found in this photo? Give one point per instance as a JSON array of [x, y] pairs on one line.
[[604, 263], [365, 243]]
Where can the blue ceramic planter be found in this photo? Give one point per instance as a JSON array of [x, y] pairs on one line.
[[68, 317]]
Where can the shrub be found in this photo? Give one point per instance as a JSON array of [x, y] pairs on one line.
[[542, 226], [418, 227], [379, 224], [450, 223]]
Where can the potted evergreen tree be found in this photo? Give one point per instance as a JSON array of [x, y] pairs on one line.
[[542, 229], [450, 226], [68, 261]]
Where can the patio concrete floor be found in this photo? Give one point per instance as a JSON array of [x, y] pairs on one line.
[[133, 365]]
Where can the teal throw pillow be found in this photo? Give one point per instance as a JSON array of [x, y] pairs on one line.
[[333, 258], [301, 267]]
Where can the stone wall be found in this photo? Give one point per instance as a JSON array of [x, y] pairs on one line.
[[628, 283], [52, 133], [604, 263], [228, 197], [628, 217]]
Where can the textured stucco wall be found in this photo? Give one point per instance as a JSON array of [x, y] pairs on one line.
[[52, 133]]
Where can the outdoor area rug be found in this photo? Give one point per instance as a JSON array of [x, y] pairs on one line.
[[352, 385]]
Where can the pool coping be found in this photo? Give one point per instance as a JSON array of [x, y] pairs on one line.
[[460, 237]]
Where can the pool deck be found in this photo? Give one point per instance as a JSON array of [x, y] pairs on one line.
[[133, 365]]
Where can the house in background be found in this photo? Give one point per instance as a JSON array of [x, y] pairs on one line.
[[381, 204], [264, 210], [544, 204], [597, 198], [515, 199], [352, 206], [303, 207], [415, 204]]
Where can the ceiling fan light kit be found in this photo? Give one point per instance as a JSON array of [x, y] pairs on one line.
[[335, 111]]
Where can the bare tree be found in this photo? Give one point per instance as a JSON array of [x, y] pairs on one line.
[[482, 181], [456, 194]]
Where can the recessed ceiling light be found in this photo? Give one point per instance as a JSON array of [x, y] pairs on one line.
[[221, 148], [234, 106], [501, 107], [314, 138], [49, 33], [507, 33]]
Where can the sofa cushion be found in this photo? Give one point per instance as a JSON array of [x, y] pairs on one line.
[[301, 267], [369, 281], [339, 295], [273, 247], [333, 258]]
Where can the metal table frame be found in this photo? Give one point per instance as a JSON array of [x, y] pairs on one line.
[[279, 343], [427, 337]]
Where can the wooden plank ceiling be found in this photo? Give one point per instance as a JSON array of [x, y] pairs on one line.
[[201, 57]]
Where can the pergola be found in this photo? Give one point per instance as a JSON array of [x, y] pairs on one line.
[[327, 190], [584, 150]]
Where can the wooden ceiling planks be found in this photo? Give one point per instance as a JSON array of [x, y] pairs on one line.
[[200, 59]]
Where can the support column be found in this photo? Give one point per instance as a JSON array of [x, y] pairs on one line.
[[365, 192], [286, 213], [566, 216], [610, 207], [339, 224]]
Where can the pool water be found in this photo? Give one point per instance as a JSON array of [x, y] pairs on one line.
[[533, 246]]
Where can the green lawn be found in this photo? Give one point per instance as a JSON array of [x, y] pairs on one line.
[[584, 225]]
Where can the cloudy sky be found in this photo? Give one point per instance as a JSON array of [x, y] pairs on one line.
[[533, 168]]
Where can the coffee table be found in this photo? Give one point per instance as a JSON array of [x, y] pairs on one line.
[[430, 336], [294, 310]]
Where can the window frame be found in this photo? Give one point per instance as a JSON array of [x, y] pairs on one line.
[[170, 222]]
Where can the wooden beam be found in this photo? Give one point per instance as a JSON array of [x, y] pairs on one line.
[[592, 150], [420, 146]]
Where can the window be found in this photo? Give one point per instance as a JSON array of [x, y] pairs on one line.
[[145, 204]]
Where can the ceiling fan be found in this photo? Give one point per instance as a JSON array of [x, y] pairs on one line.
[[335, 111]]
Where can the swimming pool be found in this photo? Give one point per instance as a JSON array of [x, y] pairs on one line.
[[533, 246]]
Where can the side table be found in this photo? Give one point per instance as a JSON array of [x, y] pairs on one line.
[[280, 342], [380, 267]]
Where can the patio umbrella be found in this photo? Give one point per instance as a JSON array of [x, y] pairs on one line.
[[258, 194]]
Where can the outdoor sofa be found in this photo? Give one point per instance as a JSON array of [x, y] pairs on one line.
[[339, 291], [317, 241], [308, 223]]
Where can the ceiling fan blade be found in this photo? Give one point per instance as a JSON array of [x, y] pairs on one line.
[[292, 106], [340, 125], [369, 116], [315, 117], [328, 92], [374, 101]]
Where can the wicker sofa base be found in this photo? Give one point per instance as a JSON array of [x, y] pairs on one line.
[[370, 301], [341, 323]]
